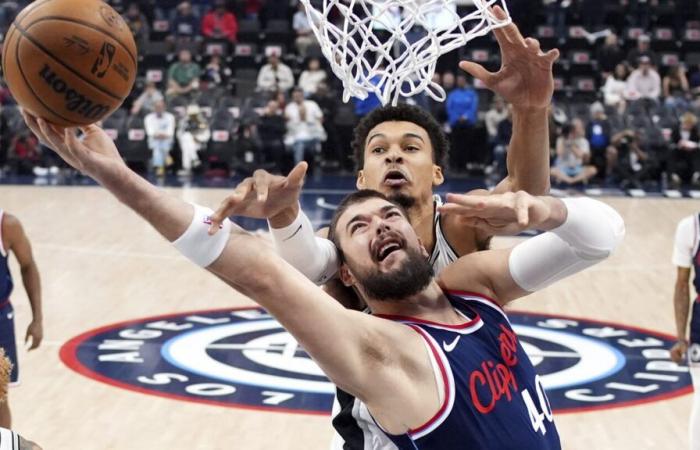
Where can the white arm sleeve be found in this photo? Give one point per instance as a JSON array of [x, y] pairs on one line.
[[590, 233], [684, 242], [315, 257], [196, 244]]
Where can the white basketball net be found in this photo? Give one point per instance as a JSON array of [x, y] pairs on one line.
[[402, 65]]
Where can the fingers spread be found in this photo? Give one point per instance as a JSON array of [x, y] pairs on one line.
[[477, 71]]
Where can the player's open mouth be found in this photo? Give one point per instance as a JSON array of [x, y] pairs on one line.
[[395, 178], [386, 247]]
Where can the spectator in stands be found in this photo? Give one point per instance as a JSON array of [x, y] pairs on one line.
[[504, 132], [598, 133], [304, 34], [312, 77], [23, 154], [146, 102], [193, 135], [272, 128], [495, 115], [676, 88], [220, 24], [573, 155], [556, 11], [333, 153], [644, 83], [609, 55], [275, 75], [215, 74], [684, 161], [642, 49], [304, 127], [448, 81], [369, 104], [5, 94], [462, 106], [626, 160], [693, 84], [185, 24], [615, 88], [183, 76], [138, 24], [160, 129], [252, 9]]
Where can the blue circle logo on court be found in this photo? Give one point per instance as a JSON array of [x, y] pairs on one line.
[[244, 358]]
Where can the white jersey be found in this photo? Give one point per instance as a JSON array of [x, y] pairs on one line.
[[9, 440], [354, 427]]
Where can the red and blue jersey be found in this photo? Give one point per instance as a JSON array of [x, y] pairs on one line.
[[493, 398], [5, 277]]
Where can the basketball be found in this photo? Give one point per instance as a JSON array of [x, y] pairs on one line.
[[71, 62]]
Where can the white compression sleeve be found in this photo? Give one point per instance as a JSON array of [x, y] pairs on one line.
[[196, 244], [315, 257], [590, 233]]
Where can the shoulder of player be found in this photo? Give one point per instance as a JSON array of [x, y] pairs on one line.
[[686, 227], [470, 273], [11, 228]]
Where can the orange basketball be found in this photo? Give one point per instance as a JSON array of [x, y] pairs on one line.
[[71, 62]]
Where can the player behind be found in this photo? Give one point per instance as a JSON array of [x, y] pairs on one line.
[[13, 239], [9, 440], [421, 366], [686, 255]]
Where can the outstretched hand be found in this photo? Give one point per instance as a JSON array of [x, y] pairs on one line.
[[525, 78], [499, 214], [262, 196], [95, 145]]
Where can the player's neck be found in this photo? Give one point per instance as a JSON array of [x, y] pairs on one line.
[[422, 216], [430, 304]]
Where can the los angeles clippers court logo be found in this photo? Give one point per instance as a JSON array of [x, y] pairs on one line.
[[244, 358]]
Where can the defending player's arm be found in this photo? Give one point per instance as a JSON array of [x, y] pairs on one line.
[[525, 80], [349, 346], [582, 232], [19, 245], [683, 260]]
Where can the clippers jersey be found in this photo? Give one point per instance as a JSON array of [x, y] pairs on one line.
[[494, 399], [686, 253], [355, 430], [5, 277]]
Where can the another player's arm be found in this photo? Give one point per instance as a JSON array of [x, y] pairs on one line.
[[369, 357], [683, 260], [582, 232], [19, 245]]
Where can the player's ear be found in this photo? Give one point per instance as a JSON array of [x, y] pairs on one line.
[[361, 181], [438, 176], [346, 277]]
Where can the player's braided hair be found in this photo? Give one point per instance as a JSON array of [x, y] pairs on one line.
[[5, 371]]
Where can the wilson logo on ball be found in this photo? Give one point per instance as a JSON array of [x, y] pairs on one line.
[[74, 101]]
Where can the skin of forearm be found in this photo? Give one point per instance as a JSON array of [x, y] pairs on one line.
[[32, 284], [285, 217], [681, 301], [528, 151]]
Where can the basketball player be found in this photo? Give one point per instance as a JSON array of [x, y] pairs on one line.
[[438, 365], [13, 239], [9, 440], [686, 255]]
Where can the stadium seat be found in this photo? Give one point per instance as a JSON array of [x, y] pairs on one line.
[[278, 31], [248, 30]]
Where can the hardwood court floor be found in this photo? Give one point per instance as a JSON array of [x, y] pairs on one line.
[[101, 264]]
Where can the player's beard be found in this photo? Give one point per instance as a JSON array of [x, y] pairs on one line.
[[414, 275], [404, 200]]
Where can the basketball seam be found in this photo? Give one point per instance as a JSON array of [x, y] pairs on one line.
[[86, 24], [76, 73], [24, 12], [31, 89]]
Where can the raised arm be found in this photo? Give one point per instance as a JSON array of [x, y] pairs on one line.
[[582, 232], [525, 80], [364, 357]]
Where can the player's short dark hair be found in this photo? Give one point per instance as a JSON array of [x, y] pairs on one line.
[[400, 113], [352, 199]]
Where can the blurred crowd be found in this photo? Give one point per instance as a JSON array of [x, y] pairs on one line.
[[225, 87]]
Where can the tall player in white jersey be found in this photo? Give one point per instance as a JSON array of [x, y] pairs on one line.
[[686, 256]]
